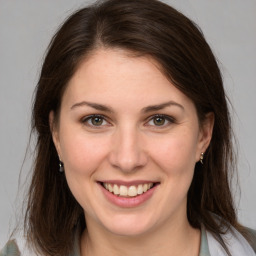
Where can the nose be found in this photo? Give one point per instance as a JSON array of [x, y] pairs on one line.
[[127, 152]]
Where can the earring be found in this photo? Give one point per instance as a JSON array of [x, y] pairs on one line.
[[202, 158], [61, 166]]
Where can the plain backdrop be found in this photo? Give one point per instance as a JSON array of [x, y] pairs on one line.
[[26, 27]]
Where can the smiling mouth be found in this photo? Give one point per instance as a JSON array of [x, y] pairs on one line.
[[128, 191]]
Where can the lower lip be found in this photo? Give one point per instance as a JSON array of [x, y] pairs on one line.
[[128, 202]]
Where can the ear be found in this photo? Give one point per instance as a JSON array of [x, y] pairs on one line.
[[205, 134], [55, 132]]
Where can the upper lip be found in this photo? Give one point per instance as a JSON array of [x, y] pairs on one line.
[[128, 183]]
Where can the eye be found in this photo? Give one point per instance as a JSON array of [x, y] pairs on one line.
[[95, 121], [160, 120]]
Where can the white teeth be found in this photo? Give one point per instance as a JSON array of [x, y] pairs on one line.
[[132, 191], [125, 191], [140, 189], [109, 187], [116, 189]]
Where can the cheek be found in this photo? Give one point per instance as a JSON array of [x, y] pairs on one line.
[[82, 157], [176, 154], [81, 153]]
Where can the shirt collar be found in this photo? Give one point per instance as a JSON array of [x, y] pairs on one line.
[[204, 248]]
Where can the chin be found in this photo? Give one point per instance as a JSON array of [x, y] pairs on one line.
[[129, 226], [128, 231]]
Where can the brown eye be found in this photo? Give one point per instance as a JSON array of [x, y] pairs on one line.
[[159, 121], [96, 121]]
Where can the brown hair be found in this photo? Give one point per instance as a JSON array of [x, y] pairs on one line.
[[145, 27]]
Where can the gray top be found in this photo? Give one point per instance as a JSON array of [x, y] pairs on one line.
[[11, 248]]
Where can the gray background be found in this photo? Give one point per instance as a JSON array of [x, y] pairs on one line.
[[26, 27]]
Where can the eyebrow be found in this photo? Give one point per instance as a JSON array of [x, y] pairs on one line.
[[144, 110], [93, 105], [161, 106]]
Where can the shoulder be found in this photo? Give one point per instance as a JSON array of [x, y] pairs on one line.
[[234, 242], [10, 249], [252, 238]]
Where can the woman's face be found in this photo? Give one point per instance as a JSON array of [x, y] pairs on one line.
[[129, 141]]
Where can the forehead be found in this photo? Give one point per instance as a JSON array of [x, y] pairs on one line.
[[116, 66], [117, 76]]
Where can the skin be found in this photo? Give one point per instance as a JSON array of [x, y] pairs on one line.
[[129, 145]]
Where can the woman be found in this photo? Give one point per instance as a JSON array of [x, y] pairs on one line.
[[134, 148]]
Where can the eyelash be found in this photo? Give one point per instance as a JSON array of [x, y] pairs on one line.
[[86, 120], [166, 118]]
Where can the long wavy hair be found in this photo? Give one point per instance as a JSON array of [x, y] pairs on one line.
[[146, 28]]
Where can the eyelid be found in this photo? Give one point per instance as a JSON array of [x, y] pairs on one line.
[[170, 120], [85, 120]]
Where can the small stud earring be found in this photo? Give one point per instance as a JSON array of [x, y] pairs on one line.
[[61, 166], [202, 158]]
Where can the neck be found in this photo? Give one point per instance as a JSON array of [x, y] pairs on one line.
[[177, 239]]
